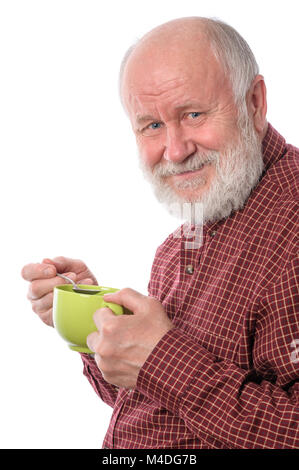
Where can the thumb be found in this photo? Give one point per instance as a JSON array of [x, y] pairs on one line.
[[72, 276], [48, 261], [61, 263], [128, 298]]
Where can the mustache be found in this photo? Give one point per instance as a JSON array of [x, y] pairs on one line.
[[194, 162]]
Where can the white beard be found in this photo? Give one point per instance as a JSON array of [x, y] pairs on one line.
[[238, 170]]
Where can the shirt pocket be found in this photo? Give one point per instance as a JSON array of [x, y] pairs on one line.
[[222, 347]]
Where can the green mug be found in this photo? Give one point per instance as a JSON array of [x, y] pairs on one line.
[[73, 313]]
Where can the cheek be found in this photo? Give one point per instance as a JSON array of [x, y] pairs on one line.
[[211, 138], [215, 135], [151, 151]]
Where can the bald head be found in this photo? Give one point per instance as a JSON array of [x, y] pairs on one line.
[[166, 55], [176, 43], [181, 30], [197, 36]]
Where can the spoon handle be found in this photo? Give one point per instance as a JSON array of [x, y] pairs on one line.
[[67, 279]]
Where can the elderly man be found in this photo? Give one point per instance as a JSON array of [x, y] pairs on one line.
[[209, 358]]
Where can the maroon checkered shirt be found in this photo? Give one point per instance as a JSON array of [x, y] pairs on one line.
[[227, 375]]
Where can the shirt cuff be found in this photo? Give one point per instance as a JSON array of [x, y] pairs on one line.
[[170, 369]]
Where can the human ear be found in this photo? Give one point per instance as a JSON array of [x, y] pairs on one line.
[[257, 103]]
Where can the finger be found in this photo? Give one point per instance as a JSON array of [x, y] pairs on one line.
[[47, 317], [40, 287], [92, 341], [34, 271], [101, 315], [64, 264], [48, 261], [87, 281], [77, 266], [128, 298], [43, 304]]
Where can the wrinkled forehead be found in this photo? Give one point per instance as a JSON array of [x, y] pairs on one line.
[[170, 71], [172, 53]]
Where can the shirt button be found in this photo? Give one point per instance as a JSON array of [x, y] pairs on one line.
[[189, 269], [212, 234]]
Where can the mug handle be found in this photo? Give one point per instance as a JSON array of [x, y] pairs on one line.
[[116, 309]]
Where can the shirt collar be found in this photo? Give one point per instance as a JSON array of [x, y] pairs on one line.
[[274, 147]]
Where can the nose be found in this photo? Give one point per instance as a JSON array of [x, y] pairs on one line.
[[178, 146]]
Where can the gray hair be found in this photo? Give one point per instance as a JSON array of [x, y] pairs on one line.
[[230, 49]]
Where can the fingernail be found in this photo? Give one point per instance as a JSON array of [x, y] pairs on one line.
[[72, 276], [107, 296]]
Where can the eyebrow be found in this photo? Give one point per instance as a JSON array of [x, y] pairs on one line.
[[189, 104], [147, 117]]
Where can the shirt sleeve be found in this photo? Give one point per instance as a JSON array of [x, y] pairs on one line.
[[103, 389], [218, 399]]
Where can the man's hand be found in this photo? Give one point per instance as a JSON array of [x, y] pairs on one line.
[[124, 342], [43, 279]]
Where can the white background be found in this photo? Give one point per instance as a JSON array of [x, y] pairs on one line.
[[70, 183]]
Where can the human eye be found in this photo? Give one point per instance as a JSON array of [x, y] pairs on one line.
[[194, 115], [152, 128], [194, 118], [154, 125]]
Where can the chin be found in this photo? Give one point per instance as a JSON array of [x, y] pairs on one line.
[[191, 195]]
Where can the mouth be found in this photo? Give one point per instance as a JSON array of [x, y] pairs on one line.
[[191, 173]]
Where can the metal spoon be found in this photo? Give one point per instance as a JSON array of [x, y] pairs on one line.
[[77, 289]]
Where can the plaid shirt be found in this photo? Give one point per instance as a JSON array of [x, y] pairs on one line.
[[227, 375]]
